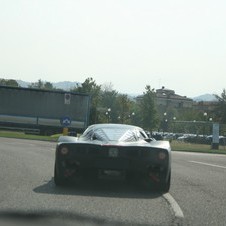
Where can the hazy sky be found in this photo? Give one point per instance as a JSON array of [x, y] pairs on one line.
[[179, 44]]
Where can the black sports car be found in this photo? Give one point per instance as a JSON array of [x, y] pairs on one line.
[[114, 150]]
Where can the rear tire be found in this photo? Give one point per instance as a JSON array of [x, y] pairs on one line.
[[59, 180], [164, 187]]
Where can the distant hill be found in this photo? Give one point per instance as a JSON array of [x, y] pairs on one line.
[[66, 85], [205, 97], [23, 83]]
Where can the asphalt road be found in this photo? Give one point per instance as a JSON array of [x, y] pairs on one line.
[[28, 195]]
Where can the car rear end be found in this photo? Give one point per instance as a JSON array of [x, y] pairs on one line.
[[80, 159]]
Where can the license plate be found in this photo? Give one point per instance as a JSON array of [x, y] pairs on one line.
[[113, 152]]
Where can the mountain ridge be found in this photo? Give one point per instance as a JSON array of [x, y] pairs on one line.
[[65, 85], [205, 97]]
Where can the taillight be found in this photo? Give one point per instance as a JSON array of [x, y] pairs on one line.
[[64, 150]]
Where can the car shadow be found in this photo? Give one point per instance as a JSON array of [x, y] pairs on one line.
[[105, 188]]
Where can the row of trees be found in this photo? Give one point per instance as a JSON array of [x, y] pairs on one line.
[[8, 82], [108, 105]]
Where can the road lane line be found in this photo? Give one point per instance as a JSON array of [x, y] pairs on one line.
[[175, 207], [208, 164]]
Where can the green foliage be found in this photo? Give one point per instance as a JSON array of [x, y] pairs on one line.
[[148, 111], [188, 147], [90, 87], [123, 104], [107, 110], [42, 85], [220, 110], [190, 115], [9, 82], [22, 135]]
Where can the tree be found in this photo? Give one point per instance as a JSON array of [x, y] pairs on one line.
[[42, 85], [9, 82], [148, 112], [48, 86], [220, 110], [123, 108], [108, 104], [90, 87], [38, 85]]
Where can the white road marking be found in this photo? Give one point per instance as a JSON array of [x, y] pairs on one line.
[[208, 164], [175, 206]]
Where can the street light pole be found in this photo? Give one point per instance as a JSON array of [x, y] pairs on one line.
[[204, 116], [164, 122], [174, 119], [108, 114]]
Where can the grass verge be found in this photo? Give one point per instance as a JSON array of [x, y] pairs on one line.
[[21, 135], [203, 148]]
